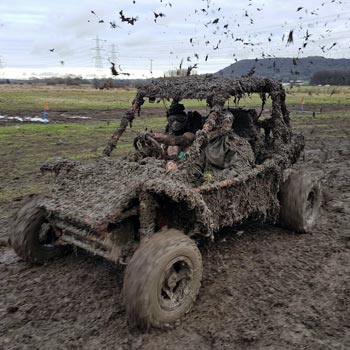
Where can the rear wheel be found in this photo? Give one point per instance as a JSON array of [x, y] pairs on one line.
[[300, 200], [162, 279], [32, 237]]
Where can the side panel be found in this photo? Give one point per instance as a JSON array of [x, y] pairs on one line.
[[255, 198]]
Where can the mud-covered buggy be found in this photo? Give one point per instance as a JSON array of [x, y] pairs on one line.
[[137, 211]]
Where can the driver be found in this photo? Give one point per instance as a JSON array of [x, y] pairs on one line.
[[177, 137], [177, 119]]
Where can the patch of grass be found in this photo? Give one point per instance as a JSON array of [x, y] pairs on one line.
[[65, 99], [26, 98], [13, 193], [297, 116], [314, 95]]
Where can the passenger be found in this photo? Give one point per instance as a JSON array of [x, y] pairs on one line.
[[226, 151]]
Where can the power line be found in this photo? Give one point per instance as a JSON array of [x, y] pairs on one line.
[[98, 57], [113, 54]]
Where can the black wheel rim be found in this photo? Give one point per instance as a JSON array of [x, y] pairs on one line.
[[46, 236], [311, 207], [176, 283]]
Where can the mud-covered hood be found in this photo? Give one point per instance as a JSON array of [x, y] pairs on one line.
[[93, 194]]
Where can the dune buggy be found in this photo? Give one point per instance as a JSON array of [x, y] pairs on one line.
[[136, 211]]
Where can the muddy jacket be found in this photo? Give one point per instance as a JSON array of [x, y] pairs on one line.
[[229, 150]]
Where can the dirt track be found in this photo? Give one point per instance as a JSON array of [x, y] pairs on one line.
[[263, 287]]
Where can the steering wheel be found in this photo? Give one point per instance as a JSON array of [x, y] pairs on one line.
[[147, 146]]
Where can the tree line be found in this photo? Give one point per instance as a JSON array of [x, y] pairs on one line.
[[331, 77], [97, 83]]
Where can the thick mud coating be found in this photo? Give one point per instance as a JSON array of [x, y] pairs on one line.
[[97, 190], [263, 287], [260, 150], [94, 196], [213, 89]]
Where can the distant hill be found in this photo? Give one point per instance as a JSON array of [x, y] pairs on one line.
[[285, 69]]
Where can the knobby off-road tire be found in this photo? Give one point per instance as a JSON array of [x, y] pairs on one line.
[[162, 280], [31, 236], [300, 200]]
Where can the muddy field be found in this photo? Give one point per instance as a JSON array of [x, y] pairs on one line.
[[263, 287]]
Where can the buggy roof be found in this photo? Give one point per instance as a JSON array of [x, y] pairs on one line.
[[216, 90]]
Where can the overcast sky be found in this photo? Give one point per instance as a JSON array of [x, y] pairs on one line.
[[212, 34]]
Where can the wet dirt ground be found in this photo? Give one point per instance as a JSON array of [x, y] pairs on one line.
[[263, 287]]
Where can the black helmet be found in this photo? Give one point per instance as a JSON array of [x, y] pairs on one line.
[[176, 108], [177, 123]]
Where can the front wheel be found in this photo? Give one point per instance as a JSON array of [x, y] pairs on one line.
[[300, 200], [31, 235], [162, 279]]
